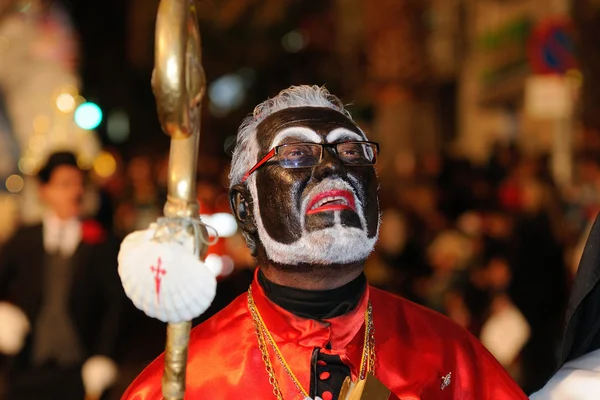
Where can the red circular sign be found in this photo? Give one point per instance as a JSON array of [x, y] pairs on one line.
[[551, 47]]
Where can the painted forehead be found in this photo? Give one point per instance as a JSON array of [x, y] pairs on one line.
[[324, 122]]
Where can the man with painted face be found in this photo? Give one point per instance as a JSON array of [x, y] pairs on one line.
[[304, 192]]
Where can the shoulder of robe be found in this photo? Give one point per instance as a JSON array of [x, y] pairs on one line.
[[222, 331]]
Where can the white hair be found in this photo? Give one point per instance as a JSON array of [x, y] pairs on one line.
[[246, 148]]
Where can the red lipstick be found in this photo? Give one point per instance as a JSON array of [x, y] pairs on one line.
[[331, 200]]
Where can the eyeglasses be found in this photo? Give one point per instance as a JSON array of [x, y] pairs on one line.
[[306, 155]]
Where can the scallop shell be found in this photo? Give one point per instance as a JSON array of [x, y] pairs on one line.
[[165, 279]]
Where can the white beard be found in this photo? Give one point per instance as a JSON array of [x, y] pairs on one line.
[[334, 245]]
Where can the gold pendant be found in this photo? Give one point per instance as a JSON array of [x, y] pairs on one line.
[[369, 388]]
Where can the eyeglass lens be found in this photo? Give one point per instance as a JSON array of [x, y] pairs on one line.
[[299, 155]]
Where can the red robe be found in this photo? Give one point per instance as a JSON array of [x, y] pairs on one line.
[[415, 347]]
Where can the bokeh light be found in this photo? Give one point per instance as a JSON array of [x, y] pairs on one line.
[[79, 100], [223, 223], [105, 165], [27, 165], [14, 183], [88, 116], [226, 93], [65, 102], [117, 126], [294, 41]]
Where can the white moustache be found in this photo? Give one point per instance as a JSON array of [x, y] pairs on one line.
[[334, 245]]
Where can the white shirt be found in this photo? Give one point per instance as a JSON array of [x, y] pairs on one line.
[[576, 380], [61, 235]]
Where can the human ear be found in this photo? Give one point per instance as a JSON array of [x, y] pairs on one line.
[[241, 206]]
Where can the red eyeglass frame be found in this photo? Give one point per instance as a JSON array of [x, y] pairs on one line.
[[263, 160]]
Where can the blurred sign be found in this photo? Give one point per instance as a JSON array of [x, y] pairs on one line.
[[551, 47], [504, 50], [503, 65], [548, 96]]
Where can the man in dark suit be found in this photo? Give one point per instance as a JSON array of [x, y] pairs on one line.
[[60, 296], [579, 374]]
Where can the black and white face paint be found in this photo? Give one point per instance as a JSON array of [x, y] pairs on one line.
[[327, 214]]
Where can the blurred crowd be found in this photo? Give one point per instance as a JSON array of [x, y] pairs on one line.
[[493, 246]]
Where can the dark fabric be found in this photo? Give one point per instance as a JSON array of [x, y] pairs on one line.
[[95, 300], [315, 304], [582, 329], [539, 289], [55, 338], [328, 373]]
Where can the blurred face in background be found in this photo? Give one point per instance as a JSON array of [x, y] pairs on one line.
[[64, 191]]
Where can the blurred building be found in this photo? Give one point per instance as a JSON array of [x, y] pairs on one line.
[[40, 88], [519, 80]]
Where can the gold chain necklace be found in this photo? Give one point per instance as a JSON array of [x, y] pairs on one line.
[[367, 363]]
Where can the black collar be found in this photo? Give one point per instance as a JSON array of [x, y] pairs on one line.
[[315, 304]]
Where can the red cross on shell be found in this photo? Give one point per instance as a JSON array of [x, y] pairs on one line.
[[158, 273]]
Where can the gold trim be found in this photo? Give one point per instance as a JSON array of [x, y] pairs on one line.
[[263, 335]]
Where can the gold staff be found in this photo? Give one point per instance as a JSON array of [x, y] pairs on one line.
[[178, 83]]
